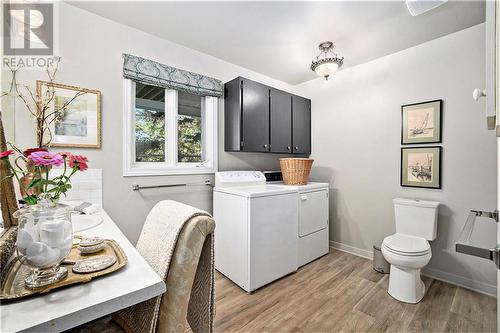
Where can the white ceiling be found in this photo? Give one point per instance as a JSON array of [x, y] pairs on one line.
[[279, 39]]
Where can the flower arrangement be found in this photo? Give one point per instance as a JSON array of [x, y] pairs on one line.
[[35, 178], [44, 112]]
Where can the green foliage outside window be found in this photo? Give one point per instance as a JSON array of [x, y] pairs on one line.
[[189, 149], [149, 135]]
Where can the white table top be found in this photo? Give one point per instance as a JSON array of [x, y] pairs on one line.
[[72, 306]]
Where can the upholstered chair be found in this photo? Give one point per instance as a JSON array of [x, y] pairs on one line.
[[185, 283]]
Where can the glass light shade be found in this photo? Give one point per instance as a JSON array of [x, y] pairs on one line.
[[327, 68]]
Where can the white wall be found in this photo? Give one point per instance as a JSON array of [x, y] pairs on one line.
[[356, 128], [91, 48]]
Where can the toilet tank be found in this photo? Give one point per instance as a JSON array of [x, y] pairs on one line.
[[416, 217]]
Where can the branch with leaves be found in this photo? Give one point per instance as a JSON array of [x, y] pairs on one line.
[[39, 104]]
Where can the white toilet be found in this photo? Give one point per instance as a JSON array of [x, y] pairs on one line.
[[408, 250]]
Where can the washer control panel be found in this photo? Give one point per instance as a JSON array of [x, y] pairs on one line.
[[239, 178]]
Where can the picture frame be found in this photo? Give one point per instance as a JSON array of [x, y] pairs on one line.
[[80, 124], [421, 122], [421, 167]]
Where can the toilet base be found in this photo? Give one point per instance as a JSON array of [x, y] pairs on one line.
[[405, 284]]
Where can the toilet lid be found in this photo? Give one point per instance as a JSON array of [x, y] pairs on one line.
[[406, 244]]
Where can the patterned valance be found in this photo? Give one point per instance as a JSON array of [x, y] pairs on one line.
[[153, 73]]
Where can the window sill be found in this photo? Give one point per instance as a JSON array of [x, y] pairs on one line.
[[167, 172]]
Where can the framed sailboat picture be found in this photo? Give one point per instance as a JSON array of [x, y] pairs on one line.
[[421, 122], [421, 167]]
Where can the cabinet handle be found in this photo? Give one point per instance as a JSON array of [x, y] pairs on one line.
[[303, 197], [288, 148], [296, 148], [265, 145]]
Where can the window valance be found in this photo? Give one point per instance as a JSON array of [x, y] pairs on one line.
[[153, 73]]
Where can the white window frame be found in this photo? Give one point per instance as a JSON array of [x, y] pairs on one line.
[[209, 113]]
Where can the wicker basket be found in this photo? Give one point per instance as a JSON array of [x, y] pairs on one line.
[[295, 171]]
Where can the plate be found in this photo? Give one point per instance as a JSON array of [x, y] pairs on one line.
[[83, 222]]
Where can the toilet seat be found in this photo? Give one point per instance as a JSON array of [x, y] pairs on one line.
[[406, 254], [405, 245]]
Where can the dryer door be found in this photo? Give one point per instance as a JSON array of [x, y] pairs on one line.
[[313, 212]]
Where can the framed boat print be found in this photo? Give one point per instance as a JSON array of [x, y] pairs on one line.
[[78, 120], [421, 167], [421, 122]]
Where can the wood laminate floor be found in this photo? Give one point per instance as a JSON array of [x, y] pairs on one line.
[[341, 292]]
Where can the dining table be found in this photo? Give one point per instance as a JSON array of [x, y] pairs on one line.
[[71, 306]]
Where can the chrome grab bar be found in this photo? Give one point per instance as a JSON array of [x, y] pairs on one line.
[[136, 187], [463, 243]]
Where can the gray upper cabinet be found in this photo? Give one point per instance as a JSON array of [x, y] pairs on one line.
[[259, 118], [301, 125], [255, 119], [232, 115], [281, 121]]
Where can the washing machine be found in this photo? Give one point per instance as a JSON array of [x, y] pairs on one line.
[[256, 239]]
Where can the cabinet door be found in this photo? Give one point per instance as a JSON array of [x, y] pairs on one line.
[[281, 122], [232, 115], [492, 119], [255, 116], [301, 120]]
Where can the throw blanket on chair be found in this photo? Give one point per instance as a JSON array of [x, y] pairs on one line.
[[157, 244]]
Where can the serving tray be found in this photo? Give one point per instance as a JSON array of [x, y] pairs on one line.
[[13, 287]]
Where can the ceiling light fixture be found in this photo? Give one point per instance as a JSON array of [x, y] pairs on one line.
[[327, 65], [418, 7]]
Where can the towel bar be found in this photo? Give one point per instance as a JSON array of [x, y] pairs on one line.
[[139, 187]]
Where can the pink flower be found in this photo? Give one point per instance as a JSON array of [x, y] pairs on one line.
[[28, 152], [78, 161], [65, 154], [45, 158], [6, 153]]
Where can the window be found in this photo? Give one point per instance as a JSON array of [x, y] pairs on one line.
[[189, 127], [168, 131], [149, 124]]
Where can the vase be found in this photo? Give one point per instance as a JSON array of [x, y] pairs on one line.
[[44, 239]]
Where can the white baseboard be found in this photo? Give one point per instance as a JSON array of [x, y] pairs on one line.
[[352, 250], [474, 285]]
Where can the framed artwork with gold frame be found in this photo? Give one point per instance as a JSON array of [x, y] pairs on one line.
[[79, 124]]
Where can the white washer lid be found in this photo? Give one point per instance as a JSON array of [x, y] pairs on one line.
[[406, 244]]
